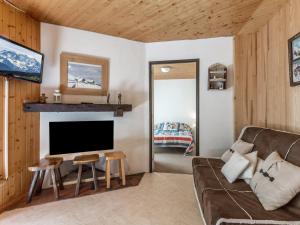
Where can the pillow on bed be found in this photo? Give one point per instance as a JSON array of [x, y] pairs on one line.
[[277, 182], [239, 146], [234, 167], [184, 127], [159, 126], [172, 126]]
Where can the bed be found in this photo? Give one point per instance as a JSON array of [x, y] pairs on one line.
[[174, 134]]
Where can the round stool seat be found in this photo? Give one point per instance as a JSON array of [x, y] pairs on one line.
[[114, 155], [47, 163], [85, 159]]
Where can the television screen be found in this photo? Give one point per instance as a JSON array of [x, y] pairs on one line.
[[81, 136], [20, 62]]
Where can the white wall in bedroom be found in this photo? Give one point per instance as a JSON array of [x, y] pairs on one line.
[[127, 75], [216, 107], [175, 101]]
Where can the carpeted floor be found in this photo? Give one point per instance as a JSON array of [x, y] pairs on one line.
[[172, 160], [47, 195], [159, 199]]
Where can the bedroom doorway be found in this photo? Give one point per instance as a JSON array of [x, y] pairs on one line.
[[174, 115]]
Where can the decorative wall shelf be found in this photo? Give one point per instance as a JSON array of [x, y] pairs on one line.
[[118, 109], [217, 77]]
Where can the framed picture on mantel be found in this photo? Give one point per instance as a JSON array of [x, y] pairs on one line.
[[294, 59], [83, 74]]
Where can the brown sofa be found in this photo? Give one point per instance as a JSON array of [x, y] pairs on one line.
[[222, 203]]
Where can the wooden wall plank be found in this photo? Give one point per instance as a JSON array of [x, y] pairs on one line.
[[23, 128], [277, 104], [1, 108], [2, 183]]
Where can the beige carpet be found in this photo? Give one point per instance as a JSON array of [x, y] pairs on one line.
[[172, 160], [160, 199]]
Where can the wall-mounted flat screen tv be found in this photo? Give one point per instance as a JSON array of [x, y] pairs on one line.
[[20, 62], [80, 136]]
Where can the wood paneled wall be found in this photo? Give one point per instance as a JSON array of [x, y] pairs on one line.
[[263, 95], [23, 127]]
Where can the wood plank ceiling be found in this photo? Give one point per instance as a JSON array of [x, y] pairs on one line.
[[177, 71], [151, 21]]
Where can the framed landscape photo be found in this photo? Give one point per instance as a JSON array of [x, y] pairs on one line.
[[83, 74], [294, 60]]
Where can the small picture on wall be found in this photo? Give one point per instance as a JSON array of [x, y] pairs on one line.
[[296, 48], [296, 70], [83, 75], [294, 60]]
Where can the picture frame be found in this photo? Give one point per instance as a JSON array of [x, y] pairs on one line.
[[83, 74], [294, 60]]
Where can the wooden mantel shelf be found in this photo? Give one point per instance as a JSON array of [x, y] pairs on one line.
[[118, 109]]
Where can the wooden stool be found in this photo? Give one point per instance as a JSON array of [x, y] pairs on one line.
[[85, 159], [50, 164], [118, 155]]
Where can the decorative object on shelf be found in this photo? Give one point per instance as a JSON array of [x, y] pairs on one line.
[[119, 98], [294, 59], [57, 96], [83, 74], [108, 98], [217, 77], [43, 98]]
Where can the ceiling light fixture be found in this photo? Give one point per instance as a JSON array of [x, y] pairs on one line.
[[165, 69]]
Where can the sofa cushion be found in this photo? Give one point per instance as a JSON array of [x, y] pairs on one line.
[[223, 203], [267, 141]]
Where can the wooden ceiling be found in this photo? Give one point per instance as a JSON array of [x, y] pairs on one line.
[[177, 71], [153, 20]]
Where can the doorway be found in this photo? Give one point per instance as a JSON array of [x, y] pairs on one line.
[[174, 115]]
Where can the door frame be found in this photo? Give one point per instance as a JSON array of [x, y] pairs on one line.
[[151, 63]]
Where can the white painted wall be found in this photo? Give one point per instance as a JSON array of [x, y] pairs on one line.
[[175, 101], [127, 75], [216, 107]]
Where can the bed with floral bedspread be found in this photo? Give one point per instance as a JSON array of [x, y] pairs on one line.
[[174, 134]]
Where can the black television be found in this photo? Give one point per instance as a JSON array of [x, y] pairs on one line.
[[20, 62], [80, 136]]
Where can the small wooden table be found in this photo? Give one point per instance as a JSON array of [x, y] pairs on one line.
[[50, 164], [117, 155], [85, 159]]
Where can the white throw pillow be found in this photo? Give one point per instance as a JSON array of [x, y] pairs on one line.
[[276, 183], [239, 146], [259, 164], [249, 171], [257, 168], [234, 167]]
